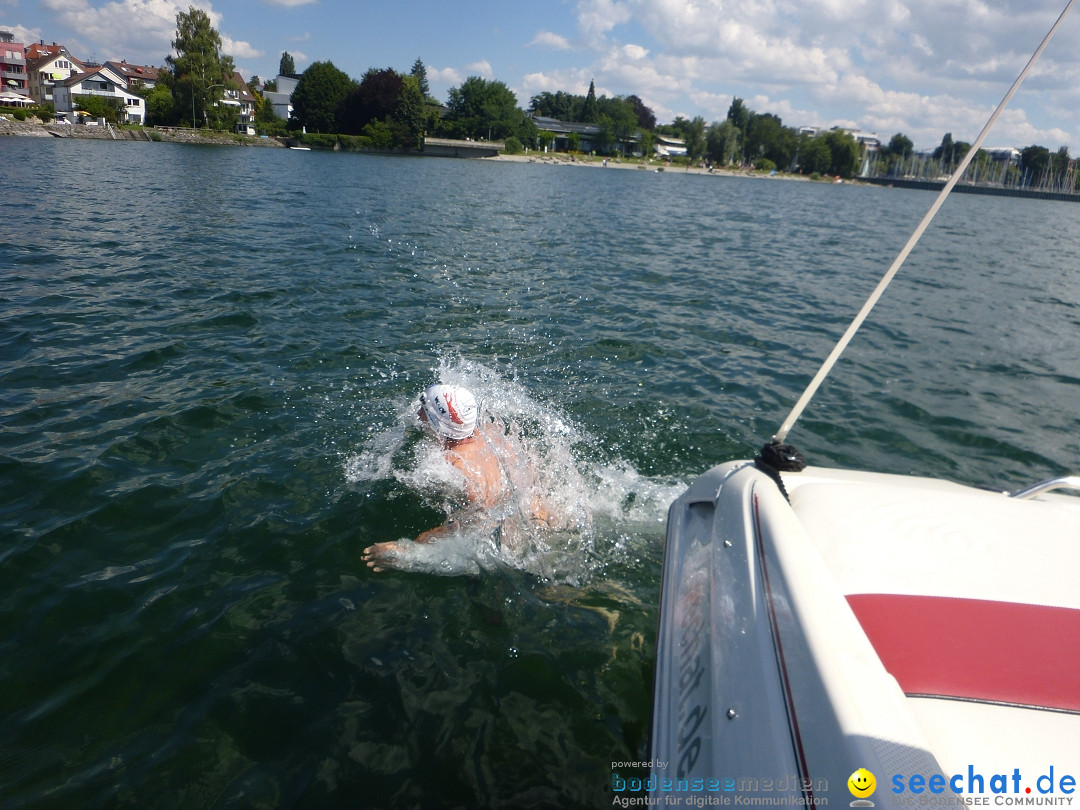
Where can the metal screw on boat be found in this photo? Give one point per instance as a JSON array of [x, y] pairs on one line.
[[732, 714], [727, 544]]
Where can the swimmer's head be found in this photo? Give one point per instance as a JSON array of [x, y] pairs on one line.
[[450, 410]]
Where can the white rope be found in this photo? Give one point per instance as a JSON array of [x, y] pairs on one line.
[[830, 361]]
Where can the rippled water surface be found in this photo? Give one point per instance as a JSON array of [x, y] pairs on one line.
[[209, 361]]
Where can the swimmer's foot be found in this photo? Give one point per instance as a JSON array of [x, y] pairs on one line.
[[382, 556]]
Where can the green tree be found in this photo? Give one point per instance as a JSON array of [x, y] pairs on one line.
[[560, 106], [591, 113], [722, 143], [739, 115], [896, 154], [766, 138], [374, 99], [950, 152], [286, 67], [645, 116], [199, 68], [695, 139], [486, 109], [319, 94], [815, 156], [1035, 164], [160, 106], [901, 146], [409, 115], [101, 107], [1059, 167], [844, 152], [419, 72], [618, 121]]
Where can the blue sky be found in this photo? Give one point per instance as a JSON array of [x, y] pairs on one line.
[[920, 67]]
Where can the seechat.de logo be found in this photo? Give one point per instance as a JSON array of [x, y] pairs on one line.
[[862, 785]]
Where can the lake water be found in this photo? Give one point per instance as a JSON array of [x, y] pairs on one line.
[[209, 364]]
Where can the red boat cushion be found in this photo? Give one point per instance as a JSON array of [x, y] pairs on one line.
[[976, 649]]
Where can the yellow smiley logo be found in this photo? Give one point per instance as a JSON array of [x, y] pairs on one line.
[[861, 783]]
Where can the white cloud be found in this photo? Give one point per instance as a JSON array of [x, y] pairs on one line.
[[922, 67], [548, 39], [445, 76], [239, 49], [481, 68], [597, 17]]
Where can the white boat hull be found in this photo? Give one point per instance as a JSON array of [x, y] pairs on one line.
[[857, 627]]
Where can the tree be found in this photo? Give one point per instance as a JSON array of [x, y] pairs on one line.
[[160, 106], [645, 117], [766, 138], [374, 99], [722, 142], [844, 152], [900, 146], [1035, 162], [419, 72], [486, 109], [949, 153], [199, 68], [591, 113], [101, 107], [319, 93], [286, 67], [815, 156], [560, 106], [695, 139], [1059, 167], [619, 121], [739, 114], [409, 115]]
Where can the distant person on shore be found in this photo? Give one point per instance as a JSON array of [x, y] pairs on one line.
[[490, 464]]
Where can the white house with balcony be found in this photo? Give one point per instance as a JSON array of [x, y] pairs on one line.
[[47, 70], [136, 75], [100, 81], [243, 101]]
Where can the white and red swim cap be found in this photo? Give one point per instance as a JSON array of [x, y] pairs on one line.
[[450, 409]]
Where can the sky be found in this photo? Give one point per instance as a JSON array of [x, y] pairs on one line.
[[922, 68]]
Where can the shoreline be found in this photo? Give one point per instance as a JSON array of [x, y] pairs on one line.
[[640, 164], [35, 129], [181, 135]]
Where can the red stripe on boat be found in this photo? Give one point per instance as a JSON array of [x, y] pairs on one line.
[[975, 649]]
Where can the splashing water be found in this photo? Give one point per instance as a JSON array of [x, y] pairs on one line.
[[597, 512]]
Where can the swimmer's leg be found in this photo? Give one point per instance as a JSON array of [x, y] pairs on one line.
[[382, 556], [449, 558]]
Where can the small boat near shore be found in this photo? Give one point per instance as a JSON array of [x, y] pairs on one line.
[[832, 636]]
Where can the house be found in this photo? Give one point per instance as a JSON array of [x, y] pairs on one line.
[[45, 66], [245, 103], [136, 75], [666, 146], [566, 133], [100, 81], [14, 82], [281, 99]]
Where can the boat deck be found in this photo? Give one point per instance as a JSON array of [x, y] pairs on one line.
[[970, 598]]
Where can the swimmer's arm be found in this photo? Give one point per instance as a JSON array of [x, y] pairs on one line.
[[451, 525]]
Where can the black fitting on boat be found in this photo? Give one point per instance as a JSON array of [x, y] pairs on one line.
[[775, 458]]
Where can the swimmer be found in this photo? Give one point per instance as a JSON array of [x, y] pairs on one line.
[[482, 454]]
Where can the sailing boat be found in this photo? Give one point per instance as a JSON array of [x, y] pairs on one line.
[[832, 636]]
